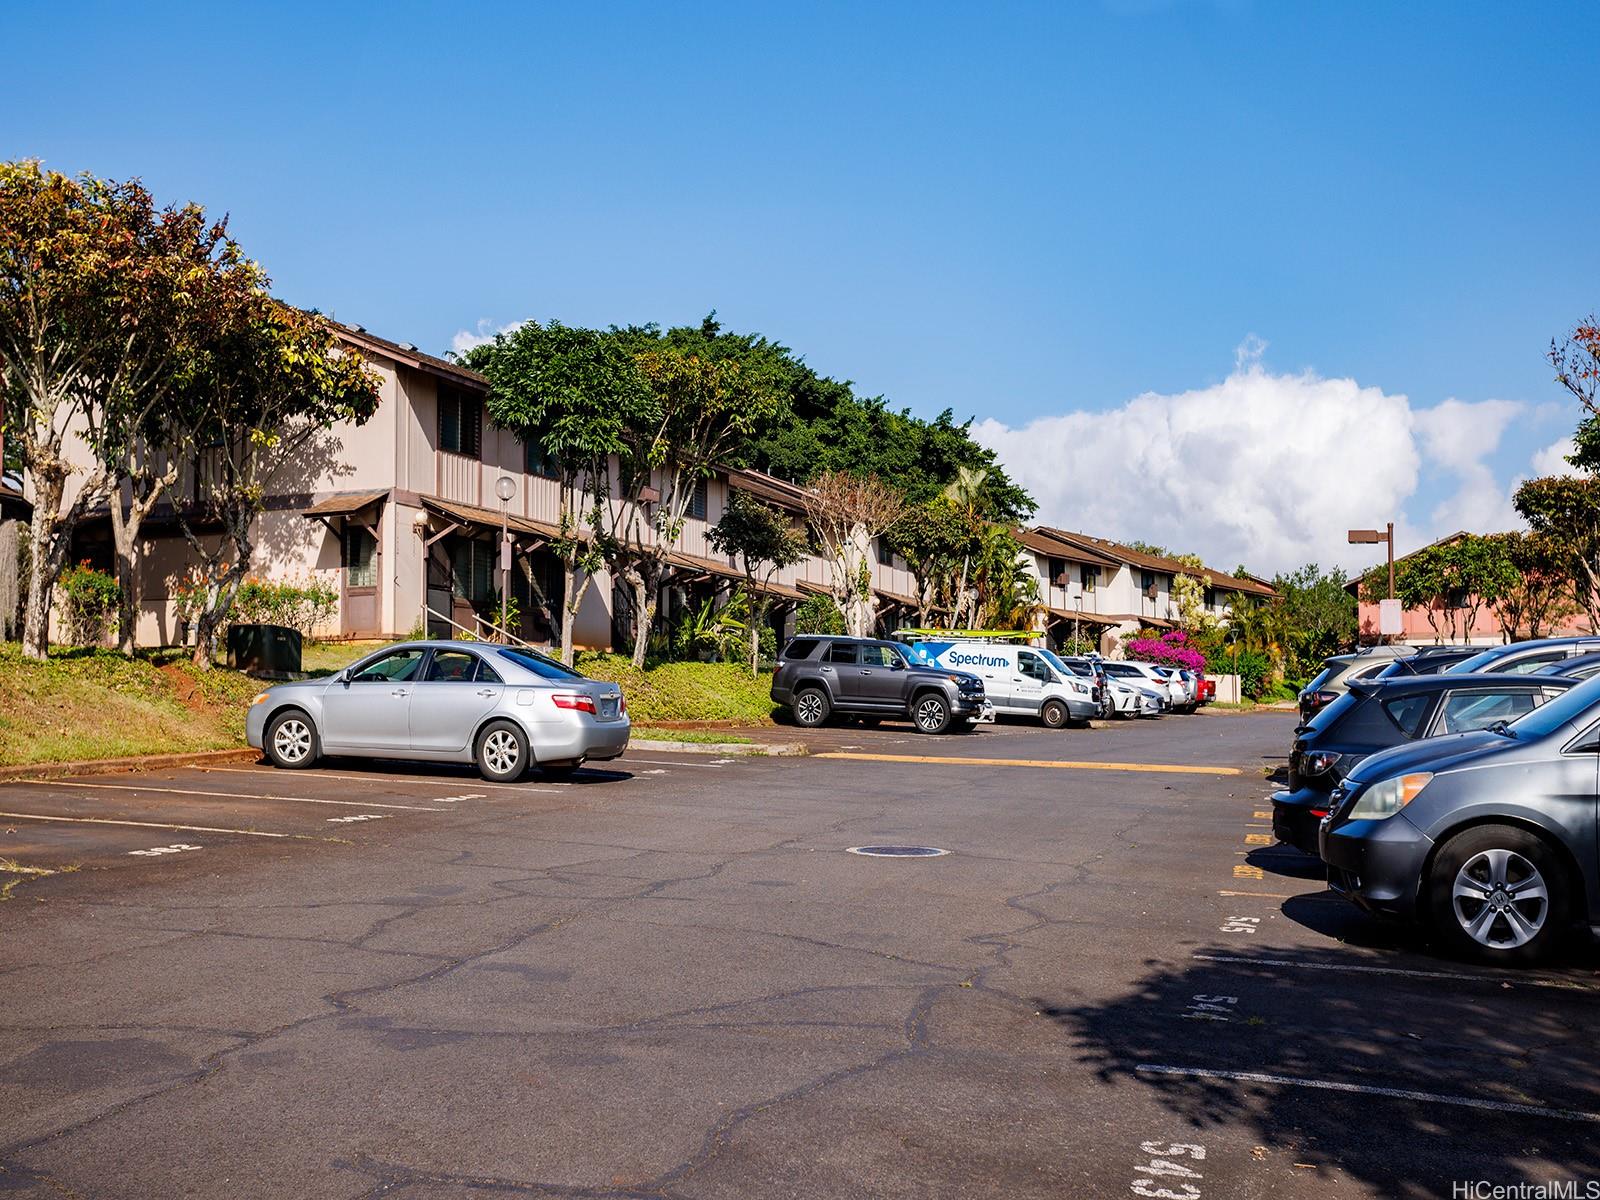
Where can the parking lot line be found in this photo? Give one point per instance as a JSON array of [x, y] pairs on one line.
[[1404, 972], [1046, 763], [447, 780], [171, 791], [151, 825], [1362, 1089]]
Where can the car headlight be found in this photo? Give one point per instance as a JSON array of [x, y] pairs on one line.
[[261, 698], [1384, 799]]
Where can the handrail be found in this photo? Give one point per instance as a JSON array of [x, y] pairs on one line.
[[509, 637]]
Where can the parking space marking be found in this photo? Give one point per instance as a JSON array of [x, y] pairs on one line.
[[444, 780], [1270, 895], [16, 816], [1404, 972], [156, 851], [1363, 1089], [130, 787], [1045, 763]]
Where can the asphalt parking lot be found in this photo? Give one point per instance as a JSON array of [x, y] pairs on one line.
[[672, 978]]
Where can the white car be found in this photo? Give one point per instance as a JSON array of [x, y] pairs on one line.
[[1162, 679], [1121, 697]]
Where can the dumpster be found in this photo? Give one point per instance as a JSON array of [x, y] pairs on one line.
[[269, 651]]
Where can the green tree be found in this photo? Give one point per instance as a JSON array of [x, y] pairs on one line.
[[1450, 582], [1565, 512], [259, 403], [712, 393], [577, 395], [764, 541], [1321, 613], [932, 537], [1542, 592], [103, 298], [1576, 359]]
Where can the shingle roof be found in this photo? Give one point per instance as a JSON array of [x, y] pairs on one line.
[[1044, 542], [1156, 562], [409, 355]]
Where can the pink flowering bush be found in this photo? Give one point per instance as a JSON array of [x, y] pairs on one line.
[[1169, 650]]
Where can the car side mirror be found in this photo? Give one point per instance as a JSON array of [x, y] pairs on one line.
[[898, 664], [343, 677]]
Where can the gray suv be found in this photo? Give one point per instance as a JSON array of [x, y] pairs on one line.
[[819, 676], [1489, 837]]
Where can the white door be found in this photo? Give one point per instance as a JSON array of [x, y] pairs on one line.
[[1028, 680]]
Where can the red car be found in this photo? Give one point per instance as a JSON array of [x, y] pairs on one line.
[[1208, 690]]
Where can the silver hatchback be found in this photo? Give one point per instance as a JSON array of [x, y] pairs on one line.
[[503, 708]]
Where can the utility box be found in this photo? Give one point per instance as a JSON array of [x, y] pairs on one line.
[[270, 651]]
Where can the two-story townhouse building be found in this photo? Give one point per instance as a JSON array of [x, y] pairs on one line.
[[1098, 590], [403, 517]]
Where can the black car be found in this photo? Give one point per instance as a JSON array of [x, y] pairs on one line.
[[1520, 658], [819, 676], [1376, 715], [1581, 667], [1488, 838], [1431, 663]]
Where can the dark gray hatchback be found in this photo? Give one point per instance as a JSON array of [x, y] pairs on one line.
[[1489, 837], [819, 676]]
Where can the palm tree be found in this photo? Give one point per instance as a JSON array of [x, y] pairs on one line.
[[965, 491]]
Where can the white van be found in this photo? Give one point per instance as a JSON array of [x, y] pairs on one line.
[[1019, 680]]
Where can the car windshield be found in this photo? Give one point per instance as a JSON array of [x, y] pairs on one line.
[[541, 665], [1327, 716], [1548, 718]]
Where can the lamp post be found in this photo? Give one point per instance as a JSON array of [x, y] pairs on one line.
[[1371, 537], [505, 487]]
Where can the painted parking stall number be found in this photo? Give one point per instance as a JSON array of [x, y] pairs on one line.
[[1240, 925], [358, 817], [1203, 1007], [157, 851], [1170, 1172], [458, 799]]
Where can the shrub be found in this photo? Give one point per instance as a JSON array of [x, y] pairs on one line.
[[818, 614], [1169, 650], [1254, 669], [89, 598], [304, 605]]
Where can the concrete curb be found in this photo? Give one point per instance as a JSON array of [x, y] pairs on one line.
[[111, 766], [768, 749]]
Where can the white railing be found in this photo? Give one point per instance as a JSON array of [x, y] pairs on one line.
[[475, 634]]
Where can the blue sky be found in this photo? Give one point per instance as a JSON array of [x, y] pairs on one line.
[[1021, 212]]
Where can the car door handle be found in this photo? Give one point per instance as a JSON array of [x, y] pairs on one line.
[[401, 692], [485, 692]]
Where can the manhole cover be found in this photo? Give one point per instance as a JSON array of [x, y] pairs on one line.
[[898, 851]]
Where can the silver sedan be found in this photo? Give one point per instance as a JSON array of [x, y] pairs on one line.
[[503, 708]]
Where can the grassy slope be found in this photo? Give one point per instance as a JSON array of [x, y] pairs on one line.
[[85, 704], [686, 691]]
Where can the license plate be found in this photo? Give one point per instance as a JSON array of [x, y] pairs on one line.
[[608, 706]]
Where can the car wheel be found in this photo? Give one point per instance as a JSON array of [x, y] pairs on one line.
[[291, 740], [931, 713], [558, 770], [1055, 714], [502, 752], [811, 707], [1499, 894]]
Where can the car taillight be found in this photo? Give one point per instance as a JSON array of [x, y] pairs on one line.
[[577, 701]]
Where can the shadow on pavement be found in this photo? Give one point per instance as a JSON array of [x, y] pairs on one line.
[[1488, 1040]]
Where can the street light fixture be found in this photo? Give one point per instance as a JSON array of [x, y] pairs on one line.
[[1371, 537], [506, 488]]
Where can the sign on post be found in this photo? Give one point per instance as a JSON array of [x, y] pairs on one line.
[[1390, 620], [505, 554]]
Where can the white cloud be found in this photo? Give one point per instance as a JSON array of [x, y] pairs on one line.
[[1265, 469], [1552, 460], [466, 339]]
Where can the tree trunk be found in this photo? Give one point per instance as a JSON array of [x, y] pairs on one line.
[[644, 611], [758, 618], [145, 494], [571, 600]]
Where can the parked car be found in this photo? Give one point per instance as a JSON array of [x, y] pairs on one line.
[[1149, 675], [503, 708], [1578, 667], [1208, 690], [1338, 670], [1020, 681], [1376, 714], [1430, 663], [1519, 658], [819, 676], [1119, 697], [1488, 837]]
